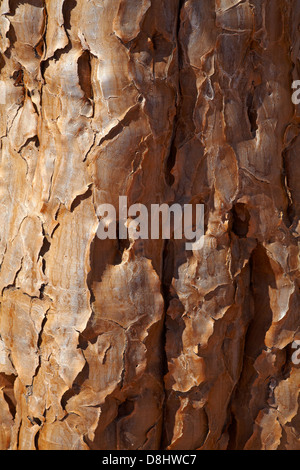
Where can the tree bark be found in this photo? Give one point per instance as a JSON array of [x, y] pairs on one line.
[[121, 344]]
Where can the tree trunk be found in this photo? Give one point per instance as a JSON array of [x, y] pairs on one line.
[[141, 344]]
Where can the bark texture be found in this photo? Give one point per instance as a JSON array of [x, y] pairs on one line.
[[142, 345]]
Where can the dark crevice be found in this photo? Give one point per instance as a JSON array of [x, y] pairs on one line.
[[18, 77], [42, 288], [34, 140], [242, 415], [11, 405], [290, 211], [232, 432], [167, 271], [79, 199], [84, 74], [131, 115], [181, 4], [76, 386], [171, 159], [13, 285], [39, 49], [240, 220], [167, 276], [262, 279], [2, 62], [36, 440], [168, 266], [183, 127], [68, 6], [56, 56], [123, 245], [34, 421], [40, 338], [11, 36], [112, 133], [43, 251], [125, 409]]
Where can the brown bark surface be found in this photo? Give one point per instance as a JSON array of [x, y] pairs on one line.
[[144, 345]]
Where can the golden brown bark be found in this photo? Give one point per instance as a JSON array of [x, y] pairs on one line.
[[144, 345]]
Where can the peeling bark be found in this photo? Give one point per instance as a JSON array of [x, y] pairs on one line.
[[140, 344]]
